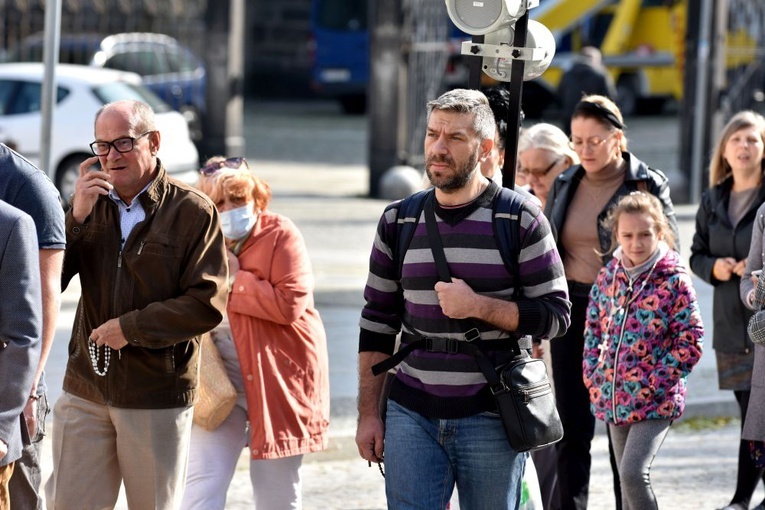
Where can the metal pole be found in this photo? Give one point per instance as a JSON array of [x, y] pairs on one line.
[[50, 59], [475, 66], [701, 113], [216, 56], [235, 143], [718, 82], [515, 87], [384, 88]]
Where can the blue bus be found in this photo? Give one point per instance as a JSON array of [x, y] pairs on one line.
[[340, 52]]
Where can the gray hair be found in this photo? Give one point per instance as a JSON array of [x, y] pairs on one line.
[[471, 102], [141, 117], [548, 137]]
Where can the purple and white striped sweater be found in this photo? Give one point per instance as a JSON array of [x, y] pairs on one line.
[[444, 385]]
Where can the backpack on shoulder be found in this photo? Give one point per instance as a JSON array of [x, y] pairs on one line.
[[507, 209], [521, 388]]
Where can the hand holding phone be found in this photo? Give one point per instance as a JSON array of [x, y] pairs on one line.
[[91, 183]]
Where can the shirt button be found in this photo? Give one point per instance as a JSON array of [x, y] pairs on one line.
[[241, 288], [76, 230], [255, 452], [249, 377]]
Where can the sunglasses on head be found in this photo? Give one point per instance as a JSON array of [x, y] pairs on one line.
[[211, 168]]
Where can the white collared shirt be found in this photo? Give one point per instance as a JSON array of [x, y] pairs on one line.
[[130, 215]]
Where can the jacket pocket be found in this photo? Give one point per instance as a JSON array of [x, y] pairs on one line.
[[159, 245], [170, 360], [294, 378]]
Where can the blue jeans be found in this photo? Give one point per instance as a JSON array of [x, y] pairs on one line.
[[425, 457]]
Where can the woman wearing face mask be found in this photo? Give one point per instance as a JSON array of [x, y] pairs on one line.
[[578, 203], [273, 344]]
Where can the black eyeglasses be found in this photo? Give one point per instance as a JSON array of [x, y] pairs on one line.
[[121, 145], [217, 165], [536, 173]]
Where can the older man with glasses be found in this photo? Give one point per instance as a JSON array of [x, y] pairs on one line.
[[152, 264]]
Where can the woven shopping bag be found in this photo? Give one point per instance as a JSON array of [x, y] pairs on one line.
[[217, 396]]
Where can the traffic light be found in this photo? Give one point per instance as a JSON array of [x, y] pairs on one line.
[[496, 20]]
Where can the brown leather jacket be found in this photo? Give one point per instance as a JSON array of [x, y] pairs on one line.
[[168, 285]]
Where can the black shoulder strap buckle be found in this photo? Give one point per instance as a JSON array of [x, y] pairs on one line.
[[447, 345]]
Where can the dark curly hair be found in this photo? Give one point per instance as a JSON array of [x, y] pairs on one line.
[[499, 101]]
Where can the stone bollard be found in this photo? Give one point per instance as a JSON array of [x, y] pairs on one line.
[[399, 182]]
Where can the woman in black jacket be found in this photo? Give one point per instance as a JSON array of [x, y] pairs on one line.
[[576, 206], [718, 256]]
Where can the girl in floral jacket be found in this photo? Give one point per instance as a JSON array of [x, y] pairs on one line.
[[643, 336]]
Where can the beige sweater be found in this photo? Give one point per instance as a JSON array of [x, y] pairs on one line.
[[579, 236]]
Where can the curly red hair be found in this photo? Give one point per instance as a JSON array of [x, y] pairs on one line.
[[235, 184]]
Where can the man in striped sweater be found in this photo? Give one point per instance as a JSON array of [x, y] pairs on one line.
[[441, 426]]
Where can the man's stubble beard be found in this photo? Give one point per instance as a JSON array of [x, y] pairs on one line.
[[462, 176]]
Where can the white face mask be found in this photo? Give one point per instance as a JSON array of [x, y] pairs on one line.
[[236, 223]]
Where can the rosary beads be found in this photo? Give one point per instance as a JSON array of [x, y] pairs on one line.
[[94, 355]]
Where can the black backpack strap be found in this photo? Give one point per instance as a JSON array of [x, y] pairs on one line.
[[507, 217], [407, 218], [508, 207], [434, 238], [398, 356]]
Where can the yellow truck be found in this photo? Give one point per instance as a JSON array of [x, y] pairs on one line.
[[642, 42], [643, 47]]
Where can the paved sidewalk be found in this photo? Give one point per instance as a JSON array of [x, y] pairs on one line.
[[694, 470]]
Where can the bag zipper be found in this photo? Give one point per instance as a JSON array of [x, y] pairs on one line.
[[533, 391]]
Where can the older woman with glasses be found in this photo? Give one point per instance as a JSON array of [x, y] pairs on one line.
[[273, 344], [576, 207], [544, 152]]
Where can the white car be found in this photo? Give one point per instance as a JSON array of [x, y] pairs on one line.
[[82, 91]]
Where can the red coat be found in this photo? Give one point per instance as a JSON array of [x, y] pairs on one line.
[[280, 341]]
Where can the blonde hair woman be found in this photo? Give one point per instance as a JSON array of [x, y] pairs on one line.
[[724, 225]]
